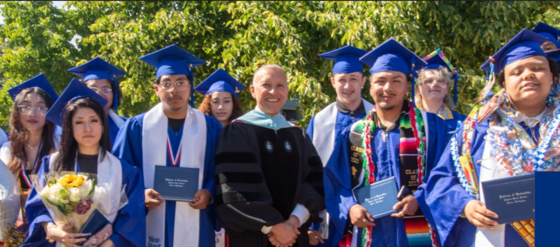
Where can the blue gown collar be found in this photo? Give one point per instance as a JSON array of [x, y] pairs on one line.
[[259, 118]]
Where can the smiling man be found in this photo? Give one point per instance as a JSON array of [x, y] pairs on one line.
[[395, 139], [173, 134], [348, 79], [270, 178]]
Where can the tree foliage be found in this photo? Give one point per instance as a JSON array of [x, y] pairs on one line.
[[241, 36]]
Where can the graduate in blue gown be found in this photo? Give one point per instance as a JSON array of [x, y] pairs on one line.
[[551, 34], [79, 111], [488, 148], [394, 152], [174, 134], [432, 88], [3, 136], [101, 77], [348, 79]]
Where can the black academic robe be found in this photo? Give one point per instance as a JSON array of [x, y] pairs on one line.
[[261, 175]]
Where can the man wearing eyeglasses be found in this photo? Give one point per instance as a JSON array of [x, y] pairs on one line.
[[173, 134]]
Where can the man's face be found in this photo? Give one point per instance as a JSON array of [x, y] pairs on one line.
[[174, 91], [270, 89], [388, 89], [348, 86]]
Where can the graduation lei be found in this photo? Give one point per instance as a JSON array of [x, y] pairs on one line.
[[511, 146], [514, 150], [415, 120]]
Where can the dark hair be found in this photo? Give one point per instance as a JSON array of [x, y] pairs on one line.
[[206, 107], [502, 78], [19, 134], [68, 145], [116, 90]]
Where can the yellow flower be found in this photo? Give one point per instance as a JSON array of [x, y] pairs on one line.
[[71, 180]]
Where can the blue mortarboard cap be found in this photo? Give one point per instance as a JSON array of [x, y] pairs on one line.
[[392, 56], [437, 59], [549, 32], [220, 81], [555, 55], [74, 90], [172, 60], [39, 81], [96, 69], [524, 45], [346, 59]]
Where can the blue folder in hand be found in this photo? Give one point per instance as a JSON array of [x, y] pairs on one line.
[[379, 198], [176, 183], [512, 198]]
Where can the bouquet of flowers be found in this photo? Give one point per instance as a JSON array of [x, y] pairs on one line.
[[72, 197]]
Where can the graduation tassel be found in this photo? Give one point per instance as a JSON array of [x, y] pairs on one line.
[[192, 86], [413, 84], [115, 94], [455, 87]]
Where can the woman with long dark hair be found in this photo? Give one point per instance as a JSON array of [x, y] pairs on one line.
[[85, 147], [503, 137], [221, 96], [101, 77], [32, 136]]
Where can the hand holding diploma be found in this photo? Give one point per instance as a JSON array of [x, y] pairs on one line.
[[152, 199], [478, 214], [201, 199], [360, 217]]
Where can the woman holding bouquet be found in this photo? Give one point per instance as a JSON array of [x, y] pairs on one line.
[[85, 147], [513, 133]]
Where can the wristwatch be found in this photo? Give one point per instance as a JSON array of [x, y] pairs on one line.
[[49, 237]]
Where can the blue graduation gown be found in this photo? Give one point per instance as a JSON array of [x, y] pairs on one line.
[[128, 146], [343, 120], [113, 129], [129, 219], [446, 198], [452, 123], [389, 231]]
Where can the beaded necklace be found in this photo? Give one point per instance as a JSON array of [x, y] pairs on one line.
[[417, 124]]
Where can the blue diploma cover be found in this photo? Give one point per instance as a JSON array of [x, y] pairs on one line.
[[176, 183], [512, 198], [378, 198]]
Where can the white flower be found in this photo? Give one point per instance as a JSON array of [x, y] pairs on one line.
[[75, 195]]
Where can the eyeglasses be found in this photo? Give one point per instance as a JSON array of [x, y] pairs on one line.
[[438, 81], [179, 85], [105, 91], [26, 109]]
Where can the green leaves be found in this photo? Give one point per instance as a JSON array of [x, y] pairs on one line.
[[241, 36]]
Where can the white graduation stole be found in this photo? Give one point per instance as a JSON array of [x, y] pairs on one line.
[[154, 152], [489, 170], [119, 122], [109, 171], [323, 139]]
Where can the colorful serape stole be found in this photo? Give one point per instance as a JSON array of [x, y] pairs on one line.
[[417, 231]]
